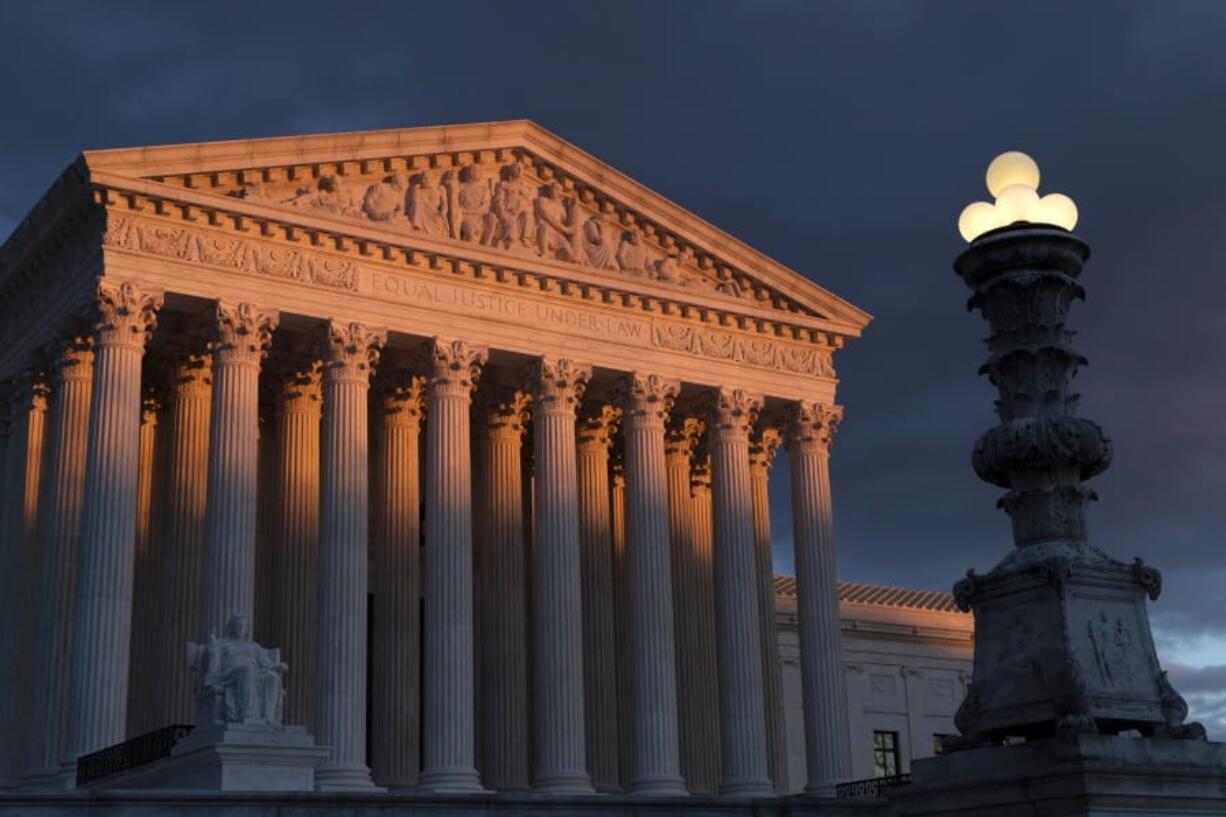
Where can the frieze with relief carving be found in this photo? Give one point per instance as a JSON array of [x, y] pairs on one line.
[[243, 255], [520, 206], [739, 349]]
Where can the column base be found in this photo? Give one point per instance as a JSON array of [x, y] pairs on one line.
[[748, 788], [354, 777], [822, 788], [658, 786], [451, 781], [572, 782]]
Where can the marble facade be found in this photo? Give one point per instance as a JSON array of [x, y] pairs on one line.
[[311, 381]]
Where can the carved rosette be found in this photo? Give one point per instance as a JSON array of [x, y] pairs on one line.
[[558, 384], [455, 366], [504, 408], [646, 399], [127, 314], [351, 351], [597, 428], [401, 397], [241, 333], [732, 413]]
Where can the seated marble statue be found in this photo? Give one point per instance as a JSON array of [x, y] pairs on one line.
[[237, 680]]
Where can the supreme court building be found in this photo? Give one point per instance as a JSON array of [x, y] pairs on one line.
[[474, 428]]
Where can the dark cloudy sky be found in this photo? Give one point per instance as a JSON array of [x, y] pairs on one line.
[[839, 138]]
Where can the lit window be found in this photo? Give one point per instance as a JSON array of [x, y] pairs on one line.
[[885, 754]]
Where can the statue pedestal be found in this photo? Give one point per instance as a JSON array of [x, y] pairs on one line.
[[233, 757], [1079, 776]]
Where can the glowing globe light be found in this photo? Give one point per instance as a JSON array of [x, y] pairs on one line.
[[977, 218], [1012, 168], [1013, 180], [1058, 209], [1017, 202]]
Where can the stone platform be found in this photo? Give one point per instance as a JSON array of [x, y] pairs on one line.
[[1083, 776], [115, 803]]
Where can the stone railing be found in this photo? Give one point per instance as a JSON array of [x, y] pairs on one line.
[[130, 754], [873, 786]]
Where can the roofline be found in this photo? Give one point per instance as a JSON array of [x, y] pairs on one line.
[[203, 157]]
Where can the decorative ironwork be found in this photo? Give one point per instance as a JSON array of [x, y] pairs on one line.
[[872, 787], [130, 754]]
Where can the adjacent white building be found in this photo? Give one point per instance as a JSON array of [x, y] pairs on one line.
[[907, 657]]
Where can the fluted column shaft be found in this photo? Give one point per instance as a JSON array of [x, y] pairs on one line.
[[599, 634], [654, 719], [182, 563], [351, 352], [146, 599], [448, 762], [67, 442], [738, 634], [103, 618], [297, 500], [504, 604], [559, 742], [706, 691], [20, 561], [396, 661], [823, 684], [621, 607], [242, 334], [761, 452]]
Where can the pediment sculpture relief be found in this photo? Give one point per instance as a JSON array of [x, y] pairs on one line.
[[510, 207]]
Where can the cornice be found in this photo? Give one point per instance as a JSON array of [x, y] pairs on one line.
[[357, 243], [222, 166]]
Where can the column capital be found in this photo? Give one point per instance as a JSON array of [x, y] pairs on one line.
[[732, 412], [241, 333], [597, 427], [151, 402], [126, 313], [71, 353], [813, 424], [455, 365], [401, 397], [504, 408], [763, 443], [193, 374], [297, 377], [682, 437], [29, 390], [351, 351], [557, 384], [647, 399], [700, 474]]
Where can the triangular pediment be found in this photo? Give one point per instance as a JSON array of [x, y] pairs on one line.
[[508, 188]]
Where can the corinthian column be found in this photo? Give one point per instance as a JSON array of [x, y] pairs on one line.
[[396, 661], [21, 560], [702, 615], [67, 442], [621, 609], [142, 717], [678, 446], [653, 717], [823, 684], [448, 701], [738, 634], [761, 451], [241, 335], [350, 354], [557, 612], [182, 563], [599, 636], [298, 399], [504, 603], [103, 619]]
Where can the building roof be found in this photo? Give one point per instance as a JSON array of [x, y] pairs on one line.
[[879, 596]]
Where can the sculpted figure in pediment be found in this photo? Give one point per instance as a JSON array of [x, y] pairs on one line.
[[469, 199], [555, 223], [329, 195], [512, 208], [599, 242], [632, 254], [428, 207], [384, 201]]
